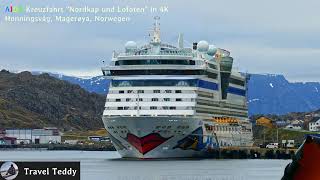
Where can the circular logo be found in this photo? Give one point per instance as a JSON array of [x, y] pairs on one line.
[[9, 170]]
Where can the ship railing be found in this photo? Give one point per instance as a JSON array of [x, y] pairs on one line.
[[146, 67], [141, 53]]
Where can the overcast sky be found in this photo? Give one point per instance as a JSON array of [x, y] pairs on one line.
[[271, 36]]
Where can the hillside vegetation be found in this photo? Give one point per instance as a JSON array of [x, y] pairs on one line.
[[36, 101]]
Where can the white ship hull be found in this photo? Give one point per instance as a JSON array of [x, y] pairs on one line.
[[170, 102], [160, 137]]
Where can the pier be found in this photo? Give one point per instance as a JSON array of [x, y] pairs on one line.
[[253, 153]]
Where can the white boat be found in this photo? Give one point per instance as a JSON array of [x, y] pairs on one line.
[[166, 101]]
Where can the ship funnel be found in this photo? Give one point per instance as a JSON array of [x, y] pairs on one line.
[[180, 41]]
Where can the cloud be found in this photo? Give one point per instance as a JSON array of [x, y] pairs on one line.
[[263, 36]]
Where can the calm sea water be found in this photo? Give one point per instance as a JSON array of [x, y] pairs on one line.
[[109, 166]]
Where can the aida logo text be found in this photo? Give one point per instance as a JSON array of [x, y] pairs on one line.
[[14, 9]]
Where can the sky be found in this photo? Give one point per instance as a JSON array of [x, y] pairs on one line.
[[276, 37]]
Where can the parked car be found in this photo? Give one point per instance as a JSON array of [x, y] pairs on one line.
[[263, 145], [288, 144], [272, 146]]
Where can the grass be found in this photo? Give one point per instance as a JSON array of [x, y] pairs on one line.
[[83, 135], [270, 135]]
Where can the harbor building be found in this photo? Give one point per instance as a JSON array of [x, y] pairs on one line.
[[34, 136]]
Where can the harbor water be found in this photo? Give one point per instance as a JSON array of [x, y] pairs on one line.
[[104, 165]]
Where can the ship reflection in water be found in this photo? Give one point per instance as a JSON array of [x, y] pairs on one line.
[[109, 166]]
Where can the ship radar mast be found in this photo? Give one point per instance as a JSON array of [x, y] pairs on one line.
[[156, 31]]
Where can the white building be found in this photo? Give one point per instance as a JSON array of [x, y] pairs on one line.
[[294, 126], [314, 124], [36, 136]]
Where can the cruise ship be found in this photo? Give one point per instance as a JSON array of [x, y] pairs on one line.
[[167, 101]]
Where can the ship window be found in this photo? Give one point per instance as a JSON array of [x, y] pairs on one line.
[[156, 62], [172, 108], [156, 91], [120, 108], [126, 108], [236, 82], [118, 100], [212, 75], [166, 99], [178, 91], [168, 91], [157, 72], [129, 91], [128, 99], [178, 99], [165, 107], [212, 66], [154, 99], [140, 91], [121, 92], [153, 107], [140, 99], [164, 82]]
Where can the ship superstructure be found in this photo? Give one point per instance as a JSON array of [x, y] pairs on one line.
[[167, 101]]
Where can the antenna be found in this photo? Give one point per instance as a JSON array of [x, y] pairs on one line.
[[156, 31], [180, 41]]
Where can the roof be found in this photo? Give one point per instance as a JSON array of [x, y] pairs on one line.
[[315, 119], [8, 138], [265, 118]]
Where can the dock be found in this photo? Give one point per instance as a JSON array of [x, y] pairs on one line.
[[223, 153], [252, 153]]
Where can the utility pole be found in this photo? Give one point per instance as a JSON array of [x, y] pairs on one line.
[[264, 136], [277, 133]]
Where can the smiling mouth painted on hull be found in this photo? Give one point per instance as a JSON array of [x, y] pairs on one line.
[[146, 143]]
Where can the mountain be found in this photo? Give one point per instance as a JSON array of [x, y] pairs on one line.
[[37, 101], [273, 94], [267, 93], [97, 84]]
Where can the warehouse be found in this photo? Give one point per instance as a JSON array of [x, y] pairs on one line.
[[34, 136]]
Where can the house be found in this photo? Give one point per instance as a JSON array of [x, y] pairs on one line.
[[8, 140], [294, 126], [297, 122], [281, 123], [265, 121], [314, 124]]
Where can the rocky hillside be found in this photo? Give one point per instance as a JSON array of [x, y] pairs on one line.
[[97, 84], [31, 101]]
